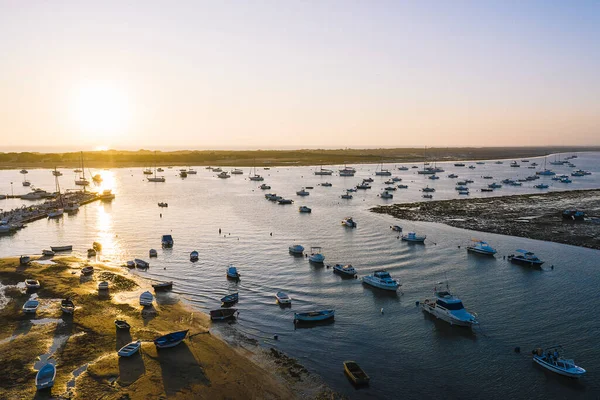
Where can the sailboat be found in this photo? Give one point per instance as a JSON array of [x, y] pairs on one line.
[[322, 171], [155, 178], [347, 171], [57, 212], [545, 172], [82, 181], [26, 182], [382, 171], [255, 176]]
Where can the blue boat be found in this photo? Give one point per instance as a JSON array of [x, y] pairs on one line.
[[314, 316], [167, 241], [230, 298], [45, 377], [170, 340], [232, 273]]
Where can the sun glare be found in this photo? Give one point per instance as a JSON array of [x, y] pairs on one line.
[[100, 108]]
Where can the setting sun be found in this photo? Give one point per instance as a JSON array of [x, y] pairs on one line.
[[100, 108]]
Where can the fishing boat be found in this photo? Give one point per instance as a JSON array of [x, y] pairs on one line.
[[146, 299], [396, 228], [413, 237], [163, 204], [316, 256], [87, 270], [349, 222], [130, 349], [345, 270], [222, 313], [232, 273], [402, 186], [167, 241], [552, 359], [67, 306], [230, 299], [121, 324], [58, 249], [356, 373], [427, 189], [162, 286], [481, 247], [381, 280], [525, 258], [304, 209], [24, 260], [194, 256], [31, 306], [283, 298], [32, 284], [449, 308], [152, 253], [183, 173], [314, 316], [170, 340], [44, 379], [296, 249], [141, 263], [346, 196]]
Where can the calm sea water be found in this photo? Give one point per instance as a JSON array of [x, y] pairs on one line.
[[408, 354]]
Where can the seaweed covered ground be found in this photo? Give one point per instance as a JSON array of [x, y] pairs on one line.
[[84, 346], [534, 216]]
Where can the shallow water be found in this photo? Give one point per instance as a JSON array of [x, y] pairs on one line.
[[404, 351]]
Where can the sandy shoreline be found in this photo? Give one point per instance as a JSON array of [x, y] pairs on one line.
[[203, 366], [534, 216]]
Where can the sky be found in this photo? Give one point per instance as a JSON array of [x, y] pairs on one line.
[[298, 74]]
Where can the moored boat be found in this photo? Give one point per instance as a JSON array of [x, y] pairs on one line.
[[314, 316], [48, 253], [222, 313], [103, 285], [232, 273], [67, 306], [481, 247], [230, 298], [356, 373], [87, 270], [345, 270], [170, 340], [382, 280], [152, 253], [24, 260], [296, 249], [283, 298], [121, 324], [167, 241], [31, 306], [141, 263], [316, 256], [552, 360], [304, 209], [349, 222], [413, 237], [525, 258], [449, 308], [194, 256]]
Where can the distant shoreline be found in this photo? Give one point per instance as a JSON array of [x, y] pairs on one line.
[[272, 158]]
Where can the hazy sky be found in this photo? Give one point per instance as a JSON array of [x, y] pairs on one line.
[[282, 73]]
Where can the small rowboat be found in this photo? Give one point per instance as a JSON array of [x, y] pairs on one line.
[[24, 260], [283, 298], [230, 298], [314, 316], [130, 349], [103, 285], [162, 286], [91, 253], [146, 299], [194, 256], [222, 313], [141, 263], [31, 306], [356, 373], [32, 284], [121, 324], [48, 253], [61, 248], [67, 306], [45, 377], [232, 273], [153, 253], [170, 340], [87, 270]]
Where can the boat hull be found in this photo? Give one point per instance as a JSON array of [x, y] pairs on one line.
[[445, 316], [314, 316], [391, 288], [479, 251], [538, 360], [526, 263]]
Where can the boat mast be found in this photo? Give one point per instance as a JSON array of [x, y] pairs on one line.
[[83, 172]]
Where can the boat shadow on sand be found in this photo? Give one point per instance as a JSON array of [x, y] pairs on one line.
[[131, 368], [180, 369]]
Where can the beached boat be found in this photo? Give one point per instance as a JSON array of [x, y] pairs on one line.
[[56, 213], [449, 308], [91, 253], [194, 256], [314, 316], [296, 249], [103, 285], [57, 249], [162, 286], [349, 222], [141, 263], [481, 247], [32, 284], [48, 253], [130, 264], [222, 313], [24, 260], [232, 273], [525, 258], [356, 373], [304, 209], [316, 256], [121, 324], [230, 298], [283, 298], [413, 237], [551, 359], [345, 270], [87, 270], [67, 306], [382, 280], [130, 349], [146, 299], [167, 241], [170, 340], [44, 379], [152, 253], [31, 306]]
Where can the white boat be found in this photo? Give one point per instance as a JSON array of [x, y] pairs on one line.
[[283, 298], [304, 209], [323, 171], [56, 213], [130, 349], [349, 222], [449, 308], [44, 379], [346, 270], [31, 306], [386, 195], [155, 178], [413, 237], [481, 247], [255, 176], [146, 299], [223, 175], [316, 256], [382, 280], [296, 249], [347, 171], [103, 285], [552, 360], [26, 183], [32, 284], [302, 192]]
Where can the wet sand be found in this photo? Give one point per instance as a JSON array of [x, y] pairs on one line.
[[203, 366], [534, 216]]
